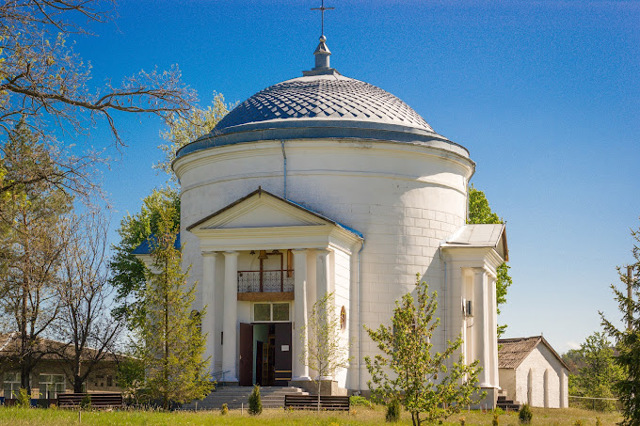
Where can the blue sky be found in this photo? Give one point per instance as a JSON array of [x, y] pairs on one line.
[[544, 94]]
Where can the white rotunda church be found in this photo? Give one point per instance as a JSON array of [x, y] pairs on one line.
[[324, 183]]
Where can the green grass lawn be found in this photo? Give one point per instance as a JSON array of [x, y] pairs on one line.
[[358, 416]]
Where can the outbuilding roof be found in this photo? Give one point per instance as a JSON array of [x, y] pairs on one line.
[[512, 352], [50, 349]]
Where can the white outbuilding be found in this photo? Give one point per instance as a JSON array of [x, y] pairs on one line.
[[532, 372], [324, 183]]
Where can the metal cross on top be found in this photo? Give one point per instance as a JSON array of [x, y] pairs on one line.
[[322, 9]]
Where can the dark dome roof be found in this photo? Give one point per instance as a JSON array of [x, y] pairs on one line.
[[322, 106], [322, 97]]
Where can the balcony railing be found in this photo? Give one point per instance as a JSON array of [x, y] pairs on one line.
[[270, 281]]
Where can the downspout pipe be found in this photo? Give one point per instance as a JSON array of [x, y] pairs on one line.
[[360, 325], [284, 157]]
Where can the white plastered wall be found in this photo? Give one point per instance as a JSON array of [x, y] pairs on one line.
[[539, 361], [405, 199]]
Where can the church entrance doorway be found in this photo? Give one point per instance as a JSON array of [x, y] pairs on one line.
[[265, 354]]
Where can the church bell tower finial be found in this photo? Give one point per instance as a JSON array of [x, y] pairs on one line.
[[322, 52]]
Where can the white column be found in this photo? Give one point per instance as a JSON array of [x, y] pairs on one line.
[[493, 331], [230, 316], [322, 273], [480, 321], [208, 302], [322, 280], [300, 337]]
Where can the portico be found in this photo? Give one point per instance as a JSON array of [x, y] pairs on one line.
[[264, 253]]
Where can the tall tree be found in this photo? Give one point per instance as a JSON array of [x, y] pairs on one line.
[[33, 237], [172, 345], [128, 272], [86, 327], [628, 339], [410, 371], [326, 350], [598, 372], [480, 213]]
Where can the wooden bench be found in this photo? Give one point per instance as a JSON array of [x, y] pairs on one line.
[[310, 402], [98, 400]]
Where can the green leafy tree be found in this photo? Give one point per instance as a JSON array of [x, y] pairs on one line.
[[326, 349], [171, 346], [127, 271], [33, 235], [598, 372], [628, 340], [409, 369], [480, 213], [186, 128]]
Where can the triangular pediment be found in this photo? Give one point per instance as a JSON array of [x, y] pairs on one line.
[[260, 209]]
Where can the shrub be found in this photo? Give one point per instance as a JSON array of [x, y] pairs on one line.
[[496, 419], [255, 402], [598, 421], [85, 402], [393, 411], [24, 399], [224, 410], [360, 401], [525, 414]]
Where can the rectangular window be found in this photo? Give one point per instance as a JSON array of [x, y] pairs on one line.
[[271, 312], [11, 385], [281, 312], [262, 312], [51, 385]]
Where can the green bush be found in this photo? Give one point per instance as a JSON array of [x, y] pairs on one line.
[[224, 410], [24, 399], [393, 411], [525, 414], [255, 401], [85, 403], [360, 401]]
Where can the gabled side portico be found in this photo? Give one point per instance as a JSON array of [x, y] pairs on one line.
[[266, 260]]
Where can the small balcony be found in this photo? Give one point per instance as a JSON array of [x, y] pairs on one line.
[[272, 285]]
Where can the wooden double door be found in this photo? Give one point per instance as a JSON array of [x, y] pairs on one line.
[[270, 359]]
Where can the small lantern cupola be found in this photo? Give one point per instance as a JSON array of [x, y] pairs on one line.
[[322, 55]]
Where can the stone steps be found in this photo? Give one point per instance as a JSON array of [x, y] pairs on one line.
[[507, 404], [238, 396]]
